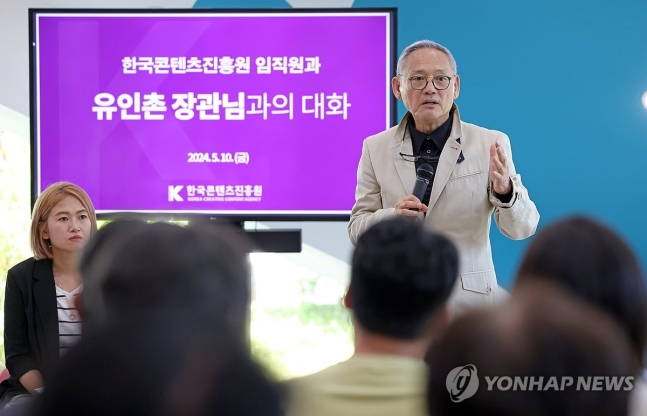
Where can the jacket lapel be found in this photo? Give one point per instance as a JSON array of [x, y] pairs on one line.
[[45, 303], [448, 159], [406, 170]]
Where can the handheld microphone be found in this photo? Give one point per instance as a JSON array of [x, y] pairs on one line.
[[424, 175]]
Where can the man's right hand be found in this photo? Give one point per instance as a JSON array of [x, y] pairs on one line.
[[404, 205]]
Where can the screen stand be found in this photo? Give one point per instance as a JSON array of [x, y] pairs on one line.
[[268, 241]]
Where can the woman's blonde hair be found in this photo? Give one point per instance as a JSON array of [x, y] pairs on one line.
[[51, 196]]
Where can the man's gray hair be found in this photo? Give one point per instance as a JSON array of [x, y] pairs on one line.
[[425, 44]]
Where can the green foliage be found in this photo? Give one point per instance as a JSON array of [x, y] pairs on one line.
[[302, 337], [270, 359], [14, 208], [332, 319]]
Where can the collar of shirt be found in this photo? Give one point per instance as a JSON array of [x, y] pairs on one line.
[[438, 137]]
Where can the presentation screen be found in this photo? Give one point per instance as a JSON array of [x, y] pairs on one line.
[[251, 114]]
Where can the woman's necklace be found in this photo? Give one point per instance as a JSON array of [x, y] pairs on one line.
[[71, 313]]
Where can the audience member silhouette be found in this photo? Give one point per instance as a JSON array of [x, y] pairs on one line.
[[96, 258], [161, 363], [541, 334], [402, 275], [594, 264], [203, 269]]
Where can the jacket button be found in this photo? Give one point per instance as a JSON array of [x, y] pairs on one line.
[[488, 290]]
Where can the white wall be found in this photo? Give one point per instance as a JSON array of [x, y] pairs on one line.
[[14, 48]]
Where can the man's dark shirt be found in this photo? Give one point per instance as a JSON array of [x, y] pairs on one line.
[[430, 145]]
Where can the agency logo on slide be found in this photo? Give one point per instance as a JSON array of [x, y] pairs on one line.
[[462, 383], [174, 193]]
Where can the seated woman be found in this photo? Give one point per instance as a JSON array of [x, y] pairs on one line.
[[40, 318]]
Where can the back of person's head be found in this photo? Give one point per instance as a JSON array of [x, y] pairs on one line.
[[595, 264], [515, 349], [96, 259], [45, 202], [161, 363], [402, 273], [202, 268]]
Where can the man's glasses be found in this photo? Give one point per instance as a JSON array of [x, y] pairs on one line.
[[419, 82], [412, 158]]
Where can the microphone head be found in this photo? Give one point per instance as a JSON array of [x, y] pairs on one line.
[[425, 171]]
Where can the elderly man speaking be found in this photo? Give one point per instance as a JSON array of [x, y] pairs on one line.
[[473, 174]]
